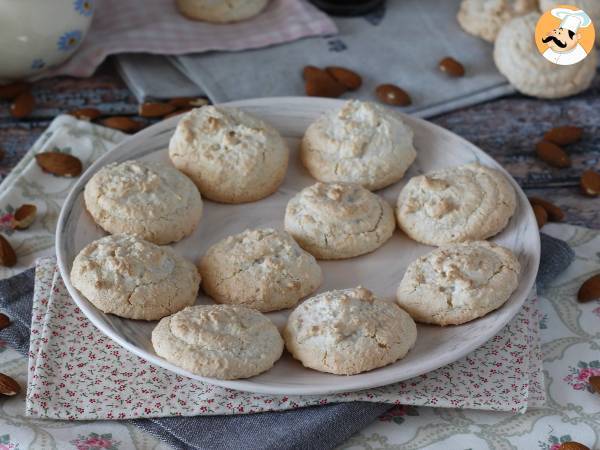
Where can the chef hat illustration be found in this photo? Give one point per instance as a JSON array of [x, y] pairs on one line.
[[572, 20]]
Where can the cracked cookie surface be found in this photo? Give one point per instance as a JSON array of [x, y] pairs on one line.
[[264, 269], [458, 283], [465, 203], [348, 331], [219, 341], [337, 220], [149, 199], [136, 279], [232, 156], [361, 143]]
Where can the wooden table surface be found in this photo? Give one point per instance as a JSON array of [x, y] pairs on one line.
[[507, 129]]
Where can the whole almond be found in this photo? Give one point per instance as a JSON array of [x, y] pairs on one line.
[[8, 386], [552, 154], [555, 214], [541, 216], [61, 164], [8, 257], [572, 445], [346, 77], [590, 289], [323, 85], [88, 114], [564, 135], [451, 67], [309, 72], [10, 91], [187, 102], [590, 183], [121, 123], [22, 105], [4, 321], [154, 109], [595, 383], [24, 216], [392, 95]]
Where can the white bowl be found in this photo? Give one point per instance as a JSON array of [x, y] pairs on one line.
[[38, 34]]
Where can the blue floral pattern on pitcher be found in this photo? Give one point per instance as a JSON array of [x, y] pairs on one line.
[[84, 7], [69, 41]]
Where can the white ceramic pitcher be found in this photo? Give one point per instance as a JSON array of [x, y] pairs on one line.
[[37, 34]]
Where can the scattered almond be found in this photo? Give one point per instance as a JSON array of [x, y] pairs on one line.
[[590, 289], [309, 72], [552, 154], [321, 84], [121, 123], [8, 386], [564, 135], [555, 214], [346, 77], [595, 383], [590, 183], [22, 105], [154, 109], [88, 114], [24, 216], [12, 90], [541, 216], [8, 257], [452, 67], [61, 164], [4, 321], [187, 102], [392, 95], [572, 445]]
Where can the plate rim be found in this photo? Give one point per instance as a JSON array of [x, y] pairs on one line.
[[247, 385]]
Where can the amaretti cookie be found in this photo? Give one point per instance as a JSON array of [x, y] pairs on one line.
[[361, 143], [458, 283], [264, 269], [518, 59], [338, 220], [484, 18], [221, 11], [129, 277], [149, 199], [348, 331], [218, 341], [232, 156], [465, 203]]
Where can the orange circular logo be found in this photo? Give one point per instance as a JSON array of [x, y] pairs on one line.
[[565, 35]]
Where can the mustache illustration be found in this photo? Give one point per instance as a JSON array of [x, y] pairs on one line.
[[556, 41]]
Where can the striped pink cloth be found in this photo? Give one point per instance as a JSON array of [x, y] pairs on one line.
[[155, 26]]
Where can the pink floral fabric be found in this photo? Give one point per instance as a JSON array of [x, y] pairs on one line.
[[75, 372]]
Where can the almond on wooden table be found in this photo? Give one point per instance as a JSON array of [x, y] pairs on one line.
[[24, 216], [555, 214], [12, 90], [8, 257], [61, 164], [552, 154], [8, 386], [4, 321], [86, 113], [541, 216], [595, 383], [572, 445], [452, 67], [590, 289], [346, 77], [590, 183], [391, 94], [564, 135], [155, 109], [121, 123], [22, 105], [321, 84]]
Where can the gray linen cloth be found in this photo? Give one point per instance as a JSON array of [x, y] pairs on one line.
[[400, 43]]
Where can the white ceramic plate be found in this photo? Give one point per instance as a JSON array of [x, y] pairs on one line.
[[380, 271]]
